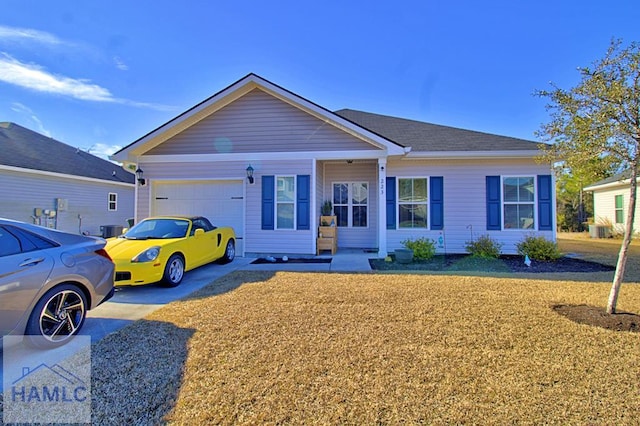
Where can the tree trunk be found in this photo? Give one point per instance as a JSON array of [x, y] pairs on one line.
[[624, 248]]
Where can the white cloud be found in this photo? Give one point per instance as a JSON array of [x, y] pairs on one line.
[[120, 64], [25, 34], [34, 77], [23, 109], [102, 150]]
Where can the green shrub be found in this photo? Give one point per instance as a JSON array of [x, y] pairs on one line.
[[423, 248], [539, 248], [484, 247]]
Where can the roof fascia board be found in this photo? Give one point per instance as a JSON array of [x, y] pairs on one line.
[[417, 155], [610, 185], [64, 176], [316, 155]]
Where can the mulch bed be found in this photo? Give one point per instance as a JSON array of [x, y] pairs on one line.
[[597, 316], [461, 262]]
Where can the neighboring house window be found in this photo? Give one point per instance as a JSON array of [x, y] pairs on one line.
[[113, 202], [518, 202], [412, 203], [350, 204], [285, 202], [619, 209]]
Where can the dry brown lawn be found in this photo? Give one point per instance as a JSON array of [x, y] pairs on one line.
[[296, 348]]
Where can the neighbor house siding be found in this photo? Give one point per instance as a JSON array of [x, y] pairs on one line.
[[464, 195], [86, 201], [604, 208], [358, 171], [259, 122]]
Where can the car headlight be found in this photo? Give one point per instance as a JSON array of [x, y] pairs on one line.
[[149, 255]]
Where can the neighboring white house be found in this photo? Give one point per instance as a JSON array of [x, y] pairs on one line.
[[610, 201], [49, 183], [389, 178]]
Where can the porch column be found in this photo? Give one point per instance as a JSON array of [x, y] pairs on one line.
[[382, 208]]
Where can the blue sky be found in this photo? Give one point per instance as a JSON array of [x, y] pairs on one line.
[[99, 75]]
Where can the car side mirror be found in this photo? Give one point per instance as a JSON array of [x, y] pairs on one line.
[[199, 232]]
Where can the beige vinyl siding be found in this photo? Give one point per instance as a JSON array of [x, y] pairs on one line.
[[464, 200], [358, 171], [259, 122], [604, 207], [279, 241], [21, 193], [256, 240]]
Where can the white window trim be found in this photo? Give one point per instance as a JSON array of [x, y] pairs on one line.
[[428, 203], [350, 204], [294, 202], [534, 202], [115, 202]]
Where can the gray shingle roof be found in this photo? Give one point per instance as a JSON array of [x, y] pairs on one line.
[[613, 179], [427, 137], [24, 148]]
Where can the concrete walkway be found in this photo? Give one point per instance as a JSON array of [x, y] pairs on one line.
[[345, 260]]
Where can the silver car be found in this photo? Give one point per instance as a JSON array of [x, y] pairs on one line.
[[49, 280]]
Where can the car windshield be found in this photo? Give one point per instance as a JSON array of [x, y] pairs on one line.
[[158, 228]]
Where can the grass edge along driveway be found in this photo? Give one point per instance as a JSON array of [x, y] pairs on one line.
[[296, 348]]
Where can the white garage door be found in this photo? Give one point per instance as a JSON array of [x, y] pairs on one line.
[[220, 201]]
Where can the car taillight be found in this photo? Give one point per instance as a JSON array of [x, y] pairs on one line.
[[103, 253]]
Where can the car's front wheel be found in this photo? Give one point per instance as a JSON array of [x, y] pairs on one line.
[[57, 317], [229, 252], [173, 271]]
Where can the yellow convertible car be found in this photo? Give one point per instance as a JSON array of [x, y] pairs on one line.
[[162, 249]]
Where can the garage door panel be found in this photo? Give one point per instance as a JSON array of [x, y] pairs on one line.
[[222, 202]]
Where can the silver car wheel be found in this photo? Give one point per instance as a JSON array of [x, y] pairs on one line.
[[174, 271], [60, 314]]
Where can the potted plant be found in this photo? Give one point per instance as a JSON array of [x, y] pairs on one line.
[[327, 208], [404, 255]]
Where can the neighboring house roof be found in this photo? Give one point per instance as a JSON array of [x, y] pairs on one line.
[[427, 137], [26, 149], [615, 180]]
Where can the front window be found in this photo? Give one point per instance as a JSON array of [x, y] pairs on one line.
[[518, 202], [350, 204], [619, 200], [412, 203], [285, 202]]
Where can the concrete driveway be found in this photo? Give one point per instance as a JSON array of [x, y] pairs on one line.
[[127, 305], [132, 303]]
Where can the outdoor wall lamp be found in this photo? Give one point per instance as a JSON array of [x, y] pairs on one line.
[[250, 174], [139, 174]]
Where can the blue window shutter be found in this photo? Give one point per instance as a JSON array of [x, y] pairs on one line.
[[268, 207], [494, 216], [545, 207], [391, 202], [436, 195], [303, 202]]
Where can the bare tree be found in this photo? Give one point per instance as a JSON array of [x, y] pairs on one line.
[[599, 120]]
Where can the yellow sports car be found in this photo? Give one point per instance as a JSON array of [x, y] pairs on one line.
[[162, 249]]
